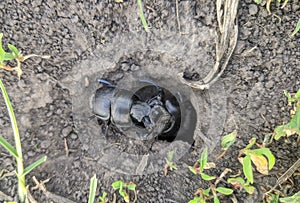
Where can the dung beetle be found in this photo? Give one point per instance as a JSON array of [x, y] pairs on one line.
[[143, 114]]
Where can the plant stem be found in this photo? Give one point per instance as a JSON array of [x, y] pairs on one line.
[[22, 191]]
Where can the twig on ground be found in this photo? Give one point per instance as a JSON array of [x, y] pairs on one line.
[[5, 173], [5, 197], [30, 197], [114, 198], [227, 170], [66, 147], [40, 185], [177, 16], [286, 175], [50, 195]]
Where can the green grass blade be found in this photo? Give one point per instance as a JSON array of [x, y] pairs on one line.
[[34, 165], [22, 191], [8, 147], [2, 52], [93, 187], [12, 120], [143, 19], [297, 28]]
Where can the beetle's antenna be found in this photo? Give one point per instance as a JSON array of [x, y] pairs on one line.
[[91, 117], [103, 81], [150, 82]]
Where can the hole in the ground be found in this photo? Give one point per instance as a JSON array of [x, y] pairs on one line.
[[146, 111]]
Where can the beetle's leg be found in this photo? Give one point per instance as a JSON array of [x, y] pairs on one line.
[[91, 117], [152, 141], [147, 123], [140, 110], [155, 101], [172, 121], [106, 127], [174, 111]]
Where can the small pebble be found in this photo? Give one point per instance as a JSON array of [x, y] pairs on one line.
[[125, 66], [269, 85], [74, 136], [253, 9], [66, 131], [45, 144], [134, 67], [117, 76], [31, 153]]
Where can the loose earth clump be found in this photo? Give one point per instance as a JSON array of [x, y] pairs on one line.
[[92, 40]]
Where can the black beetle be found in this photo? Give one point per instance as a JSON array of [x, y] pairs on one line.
[[144, 114]]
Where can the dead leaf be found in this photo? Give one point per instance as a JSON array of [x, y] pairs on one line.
[[210, 165], [290, 132], [241, 159], [166, 169], [260, 162]]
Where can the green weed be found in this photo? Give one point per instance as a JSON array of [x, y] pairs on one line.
[[16, 55], [293, 126], [293, 199], [200, 165], [169, 163], [102, 198], [239, 182], [262, 158], [227, 141], [271, 198], [17, 151], [201, 195], [124, 189]]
